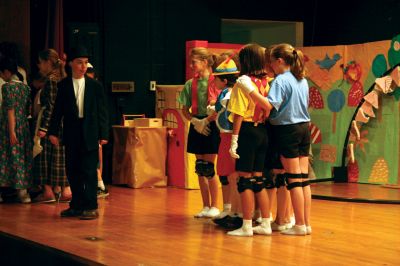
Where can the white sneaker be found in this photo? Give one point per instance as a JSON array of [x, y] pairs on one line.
[[297, 230], [23, 196], [278, 227], [308, 229], [202, 213], [289, 225], [212, 212], [262, 230], [242, 231]]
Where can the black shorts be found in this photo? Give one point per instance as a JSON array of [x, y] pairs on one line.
[[252, 147], [293, 140], [201, 144], [272, 158]]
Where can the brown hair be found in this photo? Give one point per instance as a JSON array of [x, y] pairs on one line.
[[292, 57], [56, 63], [252, 60], [203, 54]]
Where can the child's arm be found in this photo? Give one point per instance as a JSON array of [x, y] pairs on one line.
[[237, 123], [244, 82], [261, 100]]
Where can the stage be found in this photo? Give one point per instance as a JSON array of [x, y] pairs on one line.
[[155, 226]]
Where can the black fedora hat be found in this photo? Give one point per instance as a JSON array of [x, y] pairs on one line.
[[77, 52]]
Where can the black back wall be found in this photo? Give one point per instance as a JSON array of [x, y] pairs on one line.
[[145, 40]]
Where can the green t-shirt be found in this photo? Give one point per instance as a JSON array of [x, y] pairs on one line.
[[185, 97]]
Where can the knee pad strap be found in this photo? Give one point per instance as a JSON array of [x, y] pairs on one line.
[[224, 180], [245, 183], [305, 183], [305, 176], [294, 184], [293, 176]]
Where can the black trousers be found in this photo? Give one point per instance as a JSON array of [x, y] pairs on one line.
[[81, 167]]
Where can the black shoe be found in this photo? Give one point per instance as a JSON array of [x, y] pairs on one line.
[[221, 221], [233, 223], [70, 213], [89, 215]]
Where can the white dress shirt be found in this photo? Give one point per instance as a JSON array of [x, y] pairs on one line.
[[79, 89]]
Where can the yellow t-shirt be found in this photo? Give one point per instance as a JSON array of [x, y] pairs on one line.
[[241, 103]]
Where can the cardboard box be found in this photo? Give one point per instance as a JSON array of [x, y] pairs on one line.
[[148, 122], [128, 120]]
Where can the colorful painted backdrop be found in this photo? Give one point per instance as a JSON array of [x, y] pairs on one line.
[[339, 76]]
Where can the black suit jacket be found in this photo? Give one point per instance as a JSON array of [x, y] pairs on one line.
[[95, 114]]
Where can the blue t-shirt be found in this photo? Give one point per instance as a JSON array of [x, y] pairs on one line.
[[289, 97]]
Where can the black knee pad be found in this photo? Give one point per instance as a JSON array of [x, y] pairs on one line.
[[208, 170], [224, 180], [259, 184], [199, 167], [280, 181], [305, 176], [294, 184], [305, 183], [269, 183], [245, 183]]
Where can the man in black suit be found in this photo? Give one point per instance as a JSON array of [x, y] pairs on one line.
[[81, 106]]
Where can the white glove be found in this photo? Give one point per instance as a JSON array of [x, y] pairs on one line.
[[244, 82], [234, 146], [210, 109], [201, 125]]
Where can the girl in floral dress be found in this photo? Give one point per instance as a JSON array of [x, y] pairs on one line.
[[15, 139]]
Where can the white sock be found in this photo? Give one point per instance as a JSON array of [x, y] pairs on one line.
[[100, 184], [227, 207], [22, 192], [266, 221], [247, 223]]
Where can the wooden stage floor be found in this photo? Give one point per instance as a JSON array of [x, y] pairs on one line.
[[354, 192], [156, 227]]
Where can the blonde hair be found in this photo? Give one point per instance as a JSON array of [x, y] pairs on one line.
[[203, 54], [292, 57], [56, 63]]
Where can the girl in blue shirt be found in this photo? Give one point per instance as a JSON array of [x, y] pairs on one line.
[[287, 102]]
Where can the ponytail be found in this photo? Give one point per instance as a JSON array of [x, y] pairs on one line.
[[298, 68], [292, 57]]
